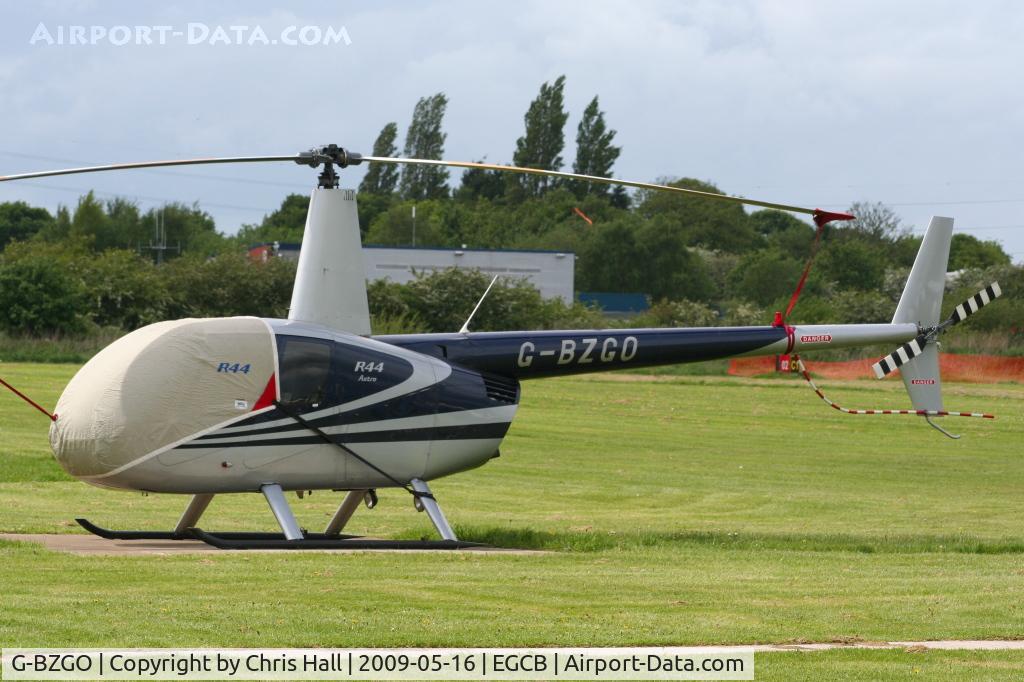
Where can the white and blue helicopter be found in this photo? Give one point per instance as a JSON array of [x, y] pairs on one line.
[[204, 407]]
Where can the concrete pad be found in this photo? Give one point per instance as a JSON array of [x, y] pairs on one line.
[[97, 546], [947, 645]]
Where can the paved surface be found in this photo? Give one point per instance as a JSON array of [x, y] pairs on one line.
[[949, 644], [94, 545]]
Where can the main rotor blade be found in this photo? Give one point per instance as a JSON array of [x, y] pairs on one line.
[[601, 180], [333, 154], [149, 164]]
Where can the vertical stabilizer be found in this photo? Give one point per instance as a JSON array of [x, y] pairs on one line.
[[921, 303], [330, 284], [922, 297]]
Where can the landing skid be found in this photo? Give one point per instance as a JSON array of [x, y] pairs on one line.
[[320, 541], [190, 534], [239, 540], [292, 536]]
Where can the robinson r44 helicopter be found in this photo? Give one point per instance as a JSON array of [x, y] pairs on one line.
[[203, 407]]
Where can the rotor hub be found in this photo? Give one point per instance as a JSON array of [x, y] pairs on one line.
[[330, 156]]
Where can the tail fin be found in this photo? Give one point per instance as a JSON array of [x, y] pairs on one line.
[[921, 303]]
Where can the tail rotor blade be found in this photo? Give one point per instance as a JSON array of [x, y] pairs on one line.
[[902, 355], [975, 303]]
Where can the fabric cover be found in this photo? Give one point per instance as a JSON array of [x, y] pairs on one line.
[[160, 385]]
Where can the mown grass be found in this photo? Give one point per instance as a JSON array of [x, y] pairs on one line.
[[74, 349], [675, 510], [890, 665]]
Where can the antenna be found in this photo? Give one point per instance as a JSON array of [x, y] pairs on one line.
[[465, 325], [160, 237]]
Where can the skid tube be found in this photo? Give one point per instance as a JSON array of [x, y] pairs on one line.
[[320, 541], [109, 534], [254, 540]]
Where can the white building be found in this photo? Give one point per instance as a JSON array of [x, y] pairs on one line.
[[551, 272]]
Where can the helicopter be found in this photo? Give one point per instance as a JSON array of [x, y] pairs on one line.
[[205, 407]]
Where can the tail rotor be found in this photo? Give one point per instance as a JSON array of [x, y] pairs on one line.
[[908, 351]]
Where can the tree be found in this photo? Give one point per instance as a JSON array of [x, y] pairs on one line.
[[479, 183], [764, 276], [425, 140], [285, 224], [382, 178], [710, 223], [90, 222], [783, 231], [967, 251], [611, 260], [189, 227], [394, 227], [19, 221], [876, 220], [595, 155], [671, 270], [542, 144], [630, 255], [124, 230], [853, 264], [59, 228]]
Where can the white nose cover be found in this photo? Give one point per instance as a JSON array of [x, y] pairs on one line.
[[158, 386]]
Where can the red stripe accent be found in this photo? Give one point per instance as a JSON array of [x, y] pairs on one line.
[[269, 395]]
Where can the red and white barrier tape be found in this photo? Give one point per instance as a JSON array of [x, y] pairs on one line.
[[919, 413]]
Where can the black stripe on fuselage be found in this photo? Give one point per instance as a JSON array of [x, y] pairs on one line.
[[467, 432], [458, 392]]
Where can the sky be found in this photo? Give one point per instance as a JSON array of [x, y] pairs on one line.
[[914, 104]]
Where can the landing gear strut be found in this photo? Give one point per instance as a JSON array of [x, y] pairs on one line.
[[291, 535]]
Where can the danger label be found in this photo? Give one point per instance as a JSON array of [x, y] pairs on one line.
[[919, 382], [816, 338]]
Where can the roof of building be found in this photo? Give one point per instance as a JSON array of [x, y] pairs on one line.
[[292, 246]]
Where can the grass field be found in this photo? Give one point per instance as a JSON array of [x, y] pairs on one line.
[[678, 510]]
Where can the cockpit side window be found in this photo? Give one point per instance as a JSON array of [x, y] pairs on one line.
[[305, 366]]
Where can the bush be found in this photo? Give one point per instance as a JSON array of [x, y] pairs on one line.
[[445, 298], [442, 300], [682, 313], [40, 298], [230, 284], [123, 289]]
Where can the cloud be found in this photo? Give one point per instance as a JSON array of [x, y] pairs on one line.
[[791, 100]]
